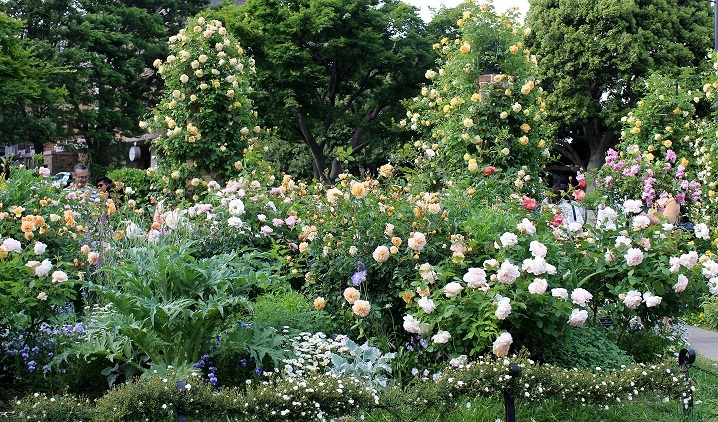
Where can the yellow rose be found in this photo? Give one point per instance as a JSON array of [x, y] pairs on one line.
[[351, 295], [359, 190], [361, 308], [319, 303], [408, 296]]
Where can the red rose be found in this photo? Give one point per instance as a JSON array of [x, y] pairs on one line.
[[579, 194], [488, 171], [530, 203], [557, 220]]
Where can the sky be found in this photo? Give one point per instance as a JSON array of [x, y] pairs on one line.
[[500, 5]]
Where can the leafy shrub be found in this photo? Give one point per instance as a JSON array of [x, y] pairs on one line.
[[60, 408], [136, 179], [586, 347], [292, 310], [649, 344], [710, 312], [168, 308], [323, 396]]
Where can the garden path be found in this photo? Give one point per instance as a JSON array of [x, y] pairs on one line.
[[704, 342]]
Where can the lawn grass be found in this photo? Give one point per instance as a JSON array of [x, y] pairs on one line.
[[644, 409]]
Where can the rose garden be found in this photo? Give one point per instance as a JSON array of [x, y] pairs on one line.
[[385, 294]]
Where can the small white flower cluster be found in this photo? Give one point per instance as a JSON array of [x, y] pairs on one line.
[[312, 354]]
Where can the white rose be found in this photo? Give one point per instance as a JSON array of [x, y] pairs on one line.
[[452, 289], [577, 318], [560, 293], [427, 305], [538, 286], [441, 337]]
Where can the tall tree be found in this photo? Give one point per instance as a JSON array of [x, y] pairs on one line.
[[592, 55], [26, 94], [110, 46], [332, 72]]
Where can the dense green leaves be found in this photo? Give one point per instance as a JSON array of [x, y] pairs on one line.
[[593, 53], [169, 307], [331, 73], [26, 91], [109, 47]]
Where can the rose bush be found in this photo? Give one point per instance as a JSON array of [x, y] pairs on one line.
[[205, 118], [483, 106]]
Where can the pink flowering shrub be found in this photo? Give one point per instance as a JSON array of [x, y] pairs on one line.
[[654, 156]]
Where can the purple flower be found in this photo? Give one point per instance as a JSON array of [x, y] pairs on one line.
[[681, 197], [258, 371], [611, 156], [31, 365], [671, 156], [359, 277], [632, 171], [680, 171]]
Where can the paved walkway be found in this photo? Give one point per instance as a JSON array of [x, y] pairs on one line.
[[704, 342]]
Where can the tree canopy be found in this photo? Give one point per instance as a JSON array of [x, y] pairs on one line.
[[110, 47], [331, 73], [592, 55], [26, 94]]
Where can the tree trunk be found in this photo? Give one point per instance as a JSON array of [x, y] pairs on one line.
[[599, 139]]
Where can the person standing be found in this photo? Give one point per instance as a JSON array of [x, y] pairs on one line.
[[80, 176]]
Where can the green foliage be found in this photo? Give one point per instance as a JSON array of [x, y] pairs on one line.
[[311, 84], [320, 395], [586, 347], [26, 89], [107, 48], [366, 363], [167, 308], [710, 312], [650, 344], [157, 399], [136, 179], [587, 50], [60, 408], [291, 312]]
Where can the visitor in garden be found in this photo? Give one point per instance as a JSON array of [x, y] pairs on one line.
[[105, 186], [666, 207], [560, 201], [80, 177]]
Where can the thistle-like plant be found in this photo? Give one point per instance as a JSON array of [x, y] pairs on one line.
[[167, 307]]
